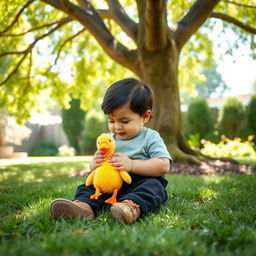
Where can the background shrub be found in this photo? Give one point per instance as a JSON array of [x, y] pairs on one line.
[[95, 123], [229, 148], [45, 148], [231, 117], [198, 119], [252, 114], [88, 145], [72, 123]]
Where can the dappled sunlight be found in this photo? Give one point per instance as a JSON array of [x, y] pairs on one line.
[[216, 179], [34, 209], [29, 160], [208, 194], [168, 218], [199, 209], [28, 176], [40, 172]]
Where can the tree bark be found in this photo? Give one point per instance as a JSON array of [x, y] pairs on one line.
[[159, 69], [155, 61]]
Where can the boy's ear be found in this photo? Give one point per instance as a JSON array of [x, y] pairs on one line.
[[147, 115]]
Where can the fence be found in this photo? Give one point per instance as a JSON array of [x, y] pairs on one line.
[[43, 128]]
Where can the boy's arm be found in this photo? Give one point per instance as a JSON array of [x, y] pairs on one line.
[[151, 167]]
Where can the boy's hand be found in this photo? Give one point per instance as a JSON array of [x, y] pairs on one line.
[[121, 162], [97, 159]]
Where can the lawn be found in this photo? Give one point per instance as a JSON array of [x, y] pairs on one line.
[[204, 215]]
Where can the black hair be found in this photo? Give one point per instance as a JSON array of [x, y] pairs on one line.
[[138, 95]]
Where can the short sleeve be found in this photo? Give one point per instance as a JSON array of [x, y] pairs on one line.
[[156, 147]]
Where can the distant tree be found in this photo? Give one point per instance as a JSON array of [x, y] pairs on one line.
[[254, 87], [214, 84], [199, 119], [72, 123], [231, 117], [252, 114]]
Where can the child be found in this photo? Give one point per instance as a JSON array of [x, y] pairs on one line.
[[139, 150]]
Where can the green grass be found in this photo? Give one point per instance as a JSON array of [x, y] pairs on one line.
[[204, 215]]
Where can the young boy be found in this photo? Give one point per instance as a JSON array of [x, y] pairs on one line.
[[141, 151]]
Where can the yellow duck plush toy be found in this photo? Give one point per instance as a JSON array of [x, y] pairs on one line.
[[105, 178]]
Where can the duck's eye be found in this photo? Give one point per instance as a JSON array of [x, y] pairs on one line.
[[109, 140]]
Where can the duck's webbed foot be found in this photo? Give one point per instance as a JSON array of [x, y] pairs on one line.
[[96, 194], [112, 199]]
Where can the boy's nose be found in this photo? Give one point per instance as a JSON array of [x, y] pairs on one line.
[[118, 126]]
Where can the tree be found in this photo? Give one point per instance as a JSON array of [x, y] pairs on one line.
[[211, 85], [231, 117], [158, 38], [252, 113], [72, 123], [199, 119], [214, 84]]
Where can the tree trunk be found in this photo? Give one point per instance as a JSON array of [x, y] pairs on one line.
[[159, 69]]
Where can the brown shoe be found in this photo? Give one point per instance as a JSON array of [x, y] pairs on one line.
[[63, 208], [126, 211]]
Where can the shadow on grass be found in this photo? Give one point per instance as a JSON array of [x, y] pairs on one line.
[[219, 209], [23, 185], [38, 171], [212, 215]]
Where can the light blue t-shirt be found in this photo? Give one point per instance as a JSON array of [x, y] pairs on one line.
[[145, 145]]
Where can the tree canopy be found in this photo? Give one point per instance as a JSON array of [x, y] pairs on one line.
[[214, 84], [39, 38], [66, 45]]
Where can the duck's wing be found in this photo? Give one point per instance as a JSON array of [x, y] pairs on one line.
[[126, 177], [89, 180]]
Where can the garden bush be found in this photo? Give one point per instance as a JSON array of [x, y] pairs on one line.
[[72, 123], [45, 148], [229, 148], [231, 117], [245, 133], [252, 114], [88, 145], [198, 119], [95, 123], [65, 150]]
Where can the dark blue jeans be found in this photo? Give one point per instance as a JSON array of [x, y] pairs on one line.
[[148, 192]]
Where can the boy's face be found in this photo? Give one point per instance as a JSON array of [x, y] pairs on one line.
[[126, 124]]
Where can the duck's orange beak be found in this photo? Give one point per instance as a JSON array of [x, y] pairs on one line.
[[104, 147]]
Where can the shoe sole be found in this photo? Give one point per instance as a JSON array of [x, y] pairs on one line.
[[63, 208]]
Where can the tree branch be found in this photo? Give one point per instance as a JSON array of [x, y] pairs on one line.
[[29, 49], [192, 20], [28, 77], [90, 19], [15, 69], [234, 21], [25, 6], [122, 19], [105, 14], [141, 7], [34, 29], [156, 32], [56, 4], [238, 4], [61, 47]]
